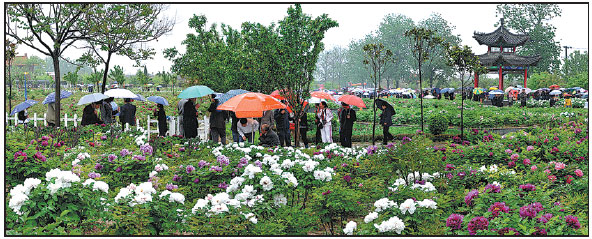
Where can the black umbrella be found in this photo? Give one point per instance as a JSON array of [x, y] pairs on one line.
[[381, 102]]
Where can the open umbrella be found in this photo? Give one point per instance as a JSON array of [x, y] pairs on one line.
[[51, 97], [444, 90], [352, 100], [139, 97], [477, 91], [322, 95], [493, 88], [229, 94], [555, 92], [251, 105], [22, 106], [314, 100], [429, 97], [380, 102], [276, 94], [158, 99], [91, 98], [554, 86], [496, 92], [195, 91], [120, 93]]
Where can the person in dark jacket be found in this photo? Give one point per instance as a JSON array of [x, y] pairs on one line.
[[282, 122], [303, 127], [190, 119], [386, 121], [268, 137], [107, 111], [233, 127], [318, 138], [347, 117], [89, 115], [523, 98], [127, 113], [161, 117], [217, 122]]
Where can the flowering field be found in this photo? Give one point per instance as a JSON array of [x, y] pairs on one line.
[[91, 181]]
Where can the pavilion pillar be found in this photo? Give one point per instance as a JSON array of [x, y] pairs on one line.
[[501, 79], [476, 80], [525, 75]]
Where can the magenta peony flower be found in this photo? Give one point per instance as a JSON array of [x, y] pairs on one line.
[[470, 196], [477, 223], [545, 218], [189, 168], [125, 152], [498, 207], [202, 164], [118, 169], [98, 166], [531, 210], [539, 232], [492, 188], [508, 151], [171, 187], [223, 185], [44, 143], [559, 166], [223, 160], [526, 161], [454, 221], [552, 178], [449, 167], [514, 156], [103, 137], [196, 180], [528, 187], [112, 158], [533, 168], [579, 173], [347, 178], [511, 164], [573, 221], [529, 148], [508, 230]]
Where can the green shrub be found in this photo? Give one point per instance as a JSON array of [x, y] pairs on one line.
[[437, 123]]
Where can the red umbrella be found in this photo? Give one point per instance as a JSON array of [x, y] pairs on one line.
[[352, 100], [251, 105], [276, 94], [554, 86], [322, 95]]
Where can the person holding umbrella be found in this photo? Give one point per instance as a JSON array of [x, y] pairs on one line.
[[89, 115], [217, 121], [282, 122], [318, 138], [246, 128], [325, 117], [347, 117], [127, 113], [386, 121], [180, 107], [190, 123], [107, 111]]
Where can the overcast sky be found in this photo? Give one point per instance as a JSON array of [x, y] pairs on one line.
[[355, 21]]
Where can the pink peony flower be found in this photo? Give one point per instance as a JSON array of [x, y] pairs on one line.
[[526, 161], [533, 168], [508, 151], [514, 156], [547, 171], [529, 148], [552, 178], [559, 166], [579, 173]]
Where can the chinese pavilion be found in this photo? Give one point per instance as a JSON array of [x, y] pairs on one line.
[[500, 56]]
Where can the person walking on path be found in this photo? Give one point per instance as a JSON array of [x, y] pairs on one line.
[[347, 117], [50, 116], [282, 121], [89, 115], [190, 123], [246, 128], [303, 126], [268, 137], [318, 138], [386, 122], [523, 98], [127, 114], [217, 122], [160, 115], [107, 111], [568, 101], [325, 117]]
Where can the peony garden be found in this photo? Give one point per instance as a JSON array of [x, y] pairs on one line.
[[95, 180]]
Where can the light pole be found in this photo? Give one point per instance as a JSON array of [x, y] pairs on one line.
[[26, 85]]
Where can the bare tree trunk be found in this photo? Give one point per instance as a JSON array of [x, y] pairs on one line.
[[56, 68], [106, 71]]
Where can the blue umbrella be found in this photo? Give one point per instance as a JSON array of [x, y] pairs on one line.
[[140, 98], [195, 91], [231, 93], [22, 106], [443, 90], [91, 98], [51, 97], [159, 100]]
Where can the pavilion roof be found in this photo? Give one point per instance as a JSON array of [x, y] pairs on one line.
[[501, 37], [508, 59]]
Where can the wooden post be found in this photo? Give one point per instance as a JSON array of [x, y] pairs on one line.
[[45, 119], [65, 120], [476, 80], [501, 79], [525, 75], [35, 119]]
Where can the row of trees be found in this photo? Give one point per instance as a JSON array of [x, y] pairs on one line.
[[104, 29], [339, 66]]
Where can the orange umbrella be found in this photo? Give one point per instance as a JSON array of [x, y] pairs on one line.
[[554, 86], [322, 95], [352, 100], [303, 105], [251, 105], [276, 94]]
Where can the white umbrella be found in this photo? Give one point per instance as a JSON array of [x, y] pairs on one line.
[[87, 99], [428, 97], [314, 100], [120, 93], [555, 92]]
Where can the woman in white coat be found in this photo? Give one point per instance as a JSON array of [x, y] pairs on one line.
[[325, 117]]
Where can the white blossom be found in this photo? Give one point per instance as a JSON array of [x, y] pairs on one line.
[[350, 227], [407, 206], [280, 200], [393, 224], [370, 217]]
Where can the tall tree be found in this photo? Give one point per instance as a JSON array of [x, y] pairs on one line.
[[330, 67], [72, 78], [576, 63], [436, 68], [377, 59], [49, 29], [123, 29], [9, 55], [117, 75], [534, 20], [424, 43], [464, 62], [391, 32]]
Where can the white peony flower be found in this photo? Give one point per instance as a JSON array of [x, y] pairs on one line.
[[143, 198], [407, 206], [280, 200], [309, 166], [177, 197], [234, 203], [220, 198], [164, 193], [145, 188], [383, 204], [350, 227], [251, 170], [219, 208], [371, 217], [427, 203], [287, 164], [266, 183], [393, 224], [201, 204], [123, 192], [152, 174], [249, 190]]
